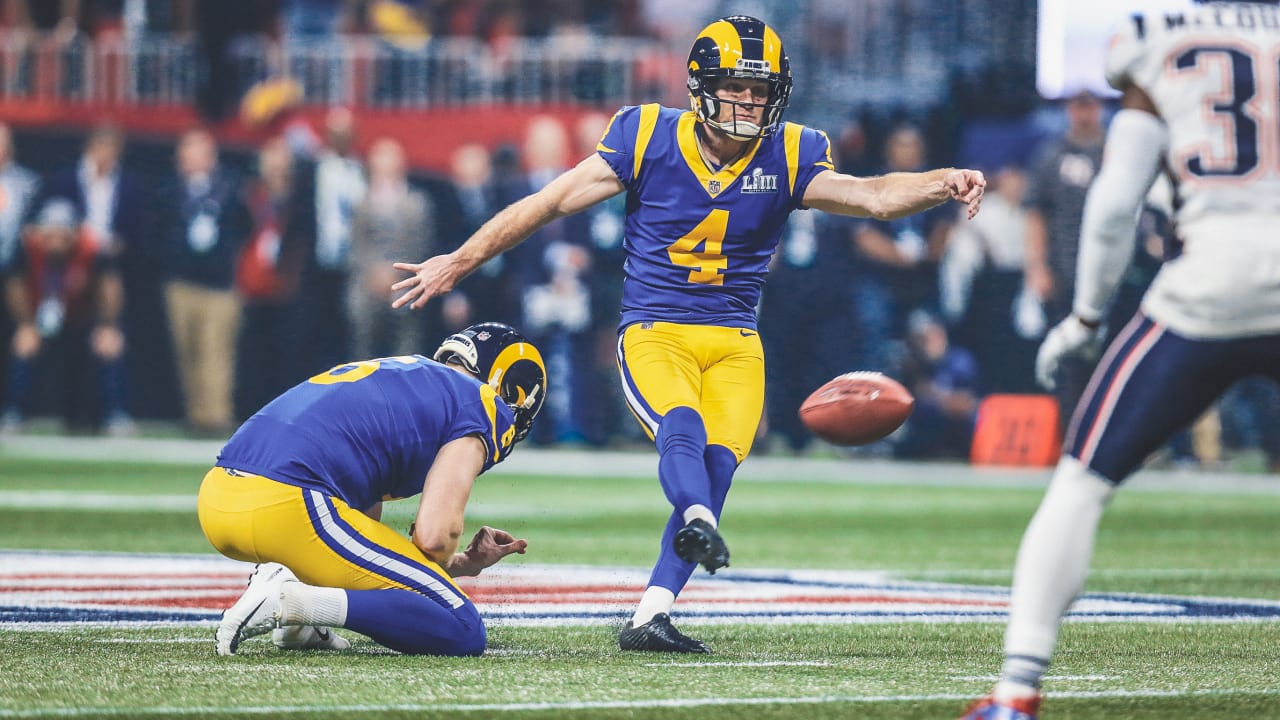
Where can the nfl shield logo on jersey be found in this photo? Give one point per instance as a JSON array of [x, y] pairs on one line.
[[713, 186]]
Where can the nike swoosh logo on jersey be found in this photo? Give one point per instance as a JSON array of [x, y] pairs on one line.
[[746, 333]]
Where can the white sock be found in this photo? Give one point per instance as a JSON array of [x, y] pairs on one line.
[[1053, 562], [696, 512], [303, 604], [654, 601]]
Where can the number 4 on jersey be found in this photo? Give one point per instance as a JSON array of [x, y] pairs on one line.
[[707, 266]]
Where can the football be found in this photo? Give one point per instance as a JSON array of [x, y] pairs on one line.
[[857, 408]]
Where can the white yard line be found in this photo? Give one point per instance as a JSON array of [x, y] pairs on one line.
[[75, 500], [156, 641], [644, 464], [763, 663], [1051, 678], [1123, 573], [71, 500], [601, 705]]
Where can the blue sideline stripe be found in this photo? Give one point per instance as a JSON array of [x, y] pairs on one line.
[[19, 614]]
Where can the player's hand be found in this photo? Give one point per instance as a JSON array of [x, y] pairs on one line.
[[966, 186], [1069, 337], [488, 547], [431, 277]]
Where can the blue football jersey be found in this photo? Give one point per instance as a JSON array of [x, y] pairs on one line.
[[369, 431], [698, 240]]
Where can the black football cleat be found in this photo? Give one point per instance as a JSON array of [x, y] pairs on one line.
[[700, 543], [659, 635]]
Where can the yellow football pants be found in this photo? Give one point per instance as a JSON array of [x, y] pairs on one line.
[[716, 371], [319, 537]]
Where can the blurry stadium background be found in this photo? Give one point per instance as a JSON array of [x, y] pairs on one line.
[[482, 101], [474, 103]]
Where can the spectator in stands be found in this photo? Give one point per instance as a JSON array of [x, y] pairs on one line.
[[112, 18], [1055, 203], [402, 24], [897, 261], [1251, 419], [318, 20], [99, 18], [18, 186], [309, 34], [202, 222], [217, 26], [65, 295], [112, 199], [675, 20], [982, 289], [602, 226], [108, 196], [851, 148], [944, 380], [62, 18], [489, 292], [338, 185], [399, 73], [555, 264], [392, 221], [267, 276], [805, 343]]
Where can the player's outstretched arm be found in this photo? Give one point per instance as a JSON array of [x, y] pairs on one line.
[[438, 524], [895, 195], [590, 182]]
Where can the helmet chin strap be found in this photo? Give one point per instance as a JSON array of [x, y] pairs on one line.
[[741, 130]]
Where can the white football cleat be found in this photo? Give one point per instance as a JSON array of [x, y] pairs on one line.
[[308, 637], [258, 609]]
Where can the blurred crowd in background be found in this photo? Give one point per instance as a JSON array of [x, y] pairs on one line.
[[153, 279]]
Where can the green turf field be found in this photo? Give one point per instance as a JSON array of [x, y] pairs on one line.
[[1218, 544]]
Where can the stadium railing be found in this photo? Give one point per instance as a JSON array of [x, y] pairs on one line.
[[358, 71]]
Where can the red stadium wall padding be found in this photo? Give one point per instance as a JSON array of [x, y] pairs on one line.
[[1018, 430]]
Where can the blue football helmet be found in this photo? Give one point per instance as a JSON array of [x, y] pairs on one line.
[[499, 355], [741, 47]]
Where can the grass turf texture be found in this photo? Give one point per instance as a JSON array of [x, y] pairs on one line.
[[1183, 543]]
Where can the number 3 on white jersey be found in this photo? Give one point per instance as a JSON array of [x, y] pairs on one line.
[[1246, 113]]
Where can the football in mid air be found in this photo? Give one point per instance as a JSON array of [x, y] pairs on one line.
[[857, 408]]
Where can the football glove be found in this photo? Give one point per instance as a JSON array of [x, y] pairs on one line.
[[1071, 337]]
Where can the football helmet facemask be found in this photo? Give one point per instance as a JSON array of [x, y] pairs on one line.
[[499, 355], [740, 47]]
